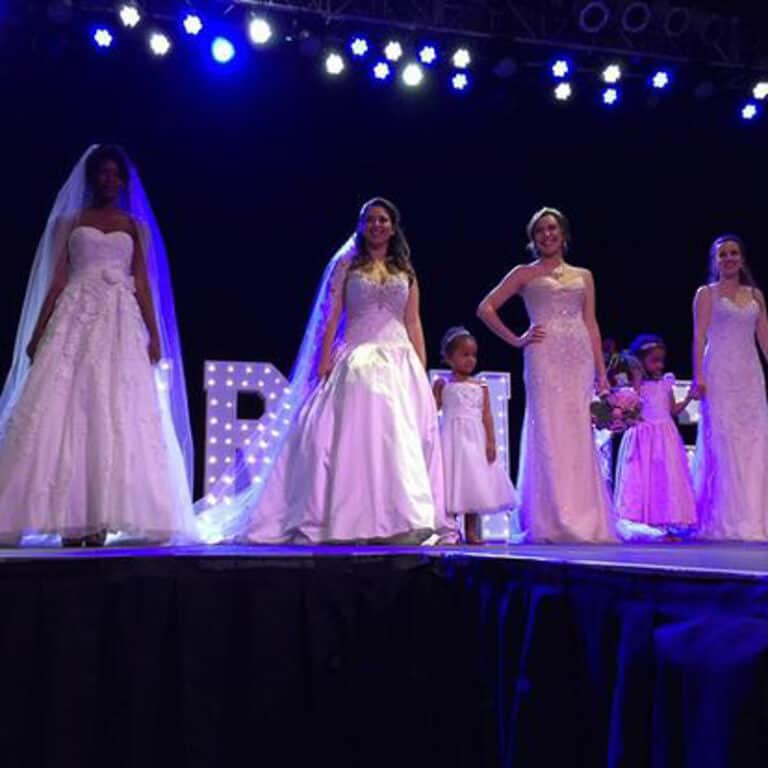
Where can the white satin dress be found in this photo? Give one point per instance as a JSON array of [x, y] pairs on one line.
[[363, 460]]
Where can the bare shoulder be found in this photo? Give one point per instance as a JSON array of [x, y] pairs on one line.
[[703, 293]]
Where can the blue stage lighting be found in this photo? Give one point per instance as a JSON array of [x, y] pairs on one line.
[[102, 37], [222, 50]]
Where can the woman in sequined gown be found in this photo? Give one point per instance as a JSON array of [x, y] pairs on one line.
[[563, 496], [730, 477], [362, 461]]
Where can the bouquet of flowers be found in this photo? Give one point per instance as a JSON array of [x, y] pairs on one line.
[[618, 410]]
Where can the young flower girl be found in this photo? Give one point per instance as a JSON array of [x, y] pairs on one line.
[[475, 482], [653, 481]]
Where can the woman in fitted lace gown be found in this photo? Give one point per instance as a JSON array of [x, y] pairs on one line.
[[90, 442], [730, 477], [362, 461], [563, 496]]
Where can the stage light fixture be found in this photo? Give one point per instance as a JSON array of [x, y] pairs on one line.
[[760, 91], [611, 74], [428, 54], [593, 17], [393, 50], [193, 24], [381, 70], [359, 46], [222, 50], [460, 81], [677, 21], [660, 79], [749, 111], [636, 17], [129, 15], [561, 68], [563, 91], [334, 64], [259, 30], [610, 96], [102, 37], [159, 44], [461, 58], [413, 75]]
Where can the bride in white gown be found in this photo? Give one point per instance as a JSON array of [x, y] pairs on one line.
[[92, 439], [730, 476], [362, 459], [563, 497]]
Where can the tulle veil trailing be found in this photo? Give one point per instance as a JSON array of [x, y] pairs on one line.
[[70, 201], [225, 511]]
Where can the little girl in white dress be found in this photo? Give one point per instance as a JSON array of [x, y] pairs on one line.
[[475, 482]]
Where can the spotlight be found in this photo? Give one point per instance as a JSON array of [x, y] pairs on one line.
[[660, 79], [563, 91], [459, 81], [102, 37], [610, 96], [393, 50], [413, 75], [193, 24], [593, 17], [159, 44], [428, 55], [382, 70], [359, 46], [749, 111], [760, 91], [561, 68], [334, 64], [611, 74], [222, 50], [259, 31], [129, 15], [461, 58]]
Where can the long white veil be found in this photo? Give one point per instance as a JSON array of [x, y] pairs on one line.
[[224, 512], [70, 201]]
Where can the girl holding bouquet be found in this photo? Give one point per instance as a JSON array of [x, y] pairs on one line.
[[475, 482], [653, 482]]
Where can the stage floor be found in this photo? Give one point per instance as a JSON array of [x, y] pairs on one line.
[[745, 560]]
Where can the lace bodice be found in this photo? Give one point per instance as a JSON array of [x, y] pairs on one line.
[[375, 309], [548, 301], [463, 400], [731, 332], [101, 256]]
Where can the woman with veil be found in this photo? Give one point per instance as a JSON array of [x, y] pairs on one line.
[[94, 434], [361, 461]]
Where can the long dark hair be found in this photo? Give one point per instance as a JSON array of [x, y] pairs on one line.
[[398, 252], [559, 217], [745, 273]]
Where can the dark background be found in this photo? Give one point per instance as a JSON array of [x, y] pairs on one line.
[[256, 173]]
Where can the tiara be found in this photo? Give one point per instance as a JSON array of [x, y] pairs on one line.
[[454, 334]]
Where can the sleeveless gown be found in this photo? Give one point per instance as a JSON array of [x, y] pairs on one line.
[[472, 485], [731, 463], [363, 459], [85, 448], [563, 497]]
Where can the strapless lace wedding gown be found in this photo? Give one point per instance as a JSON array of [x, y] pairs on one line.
[[731, 464], [563, 497], [85, 449], [363, 460]]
